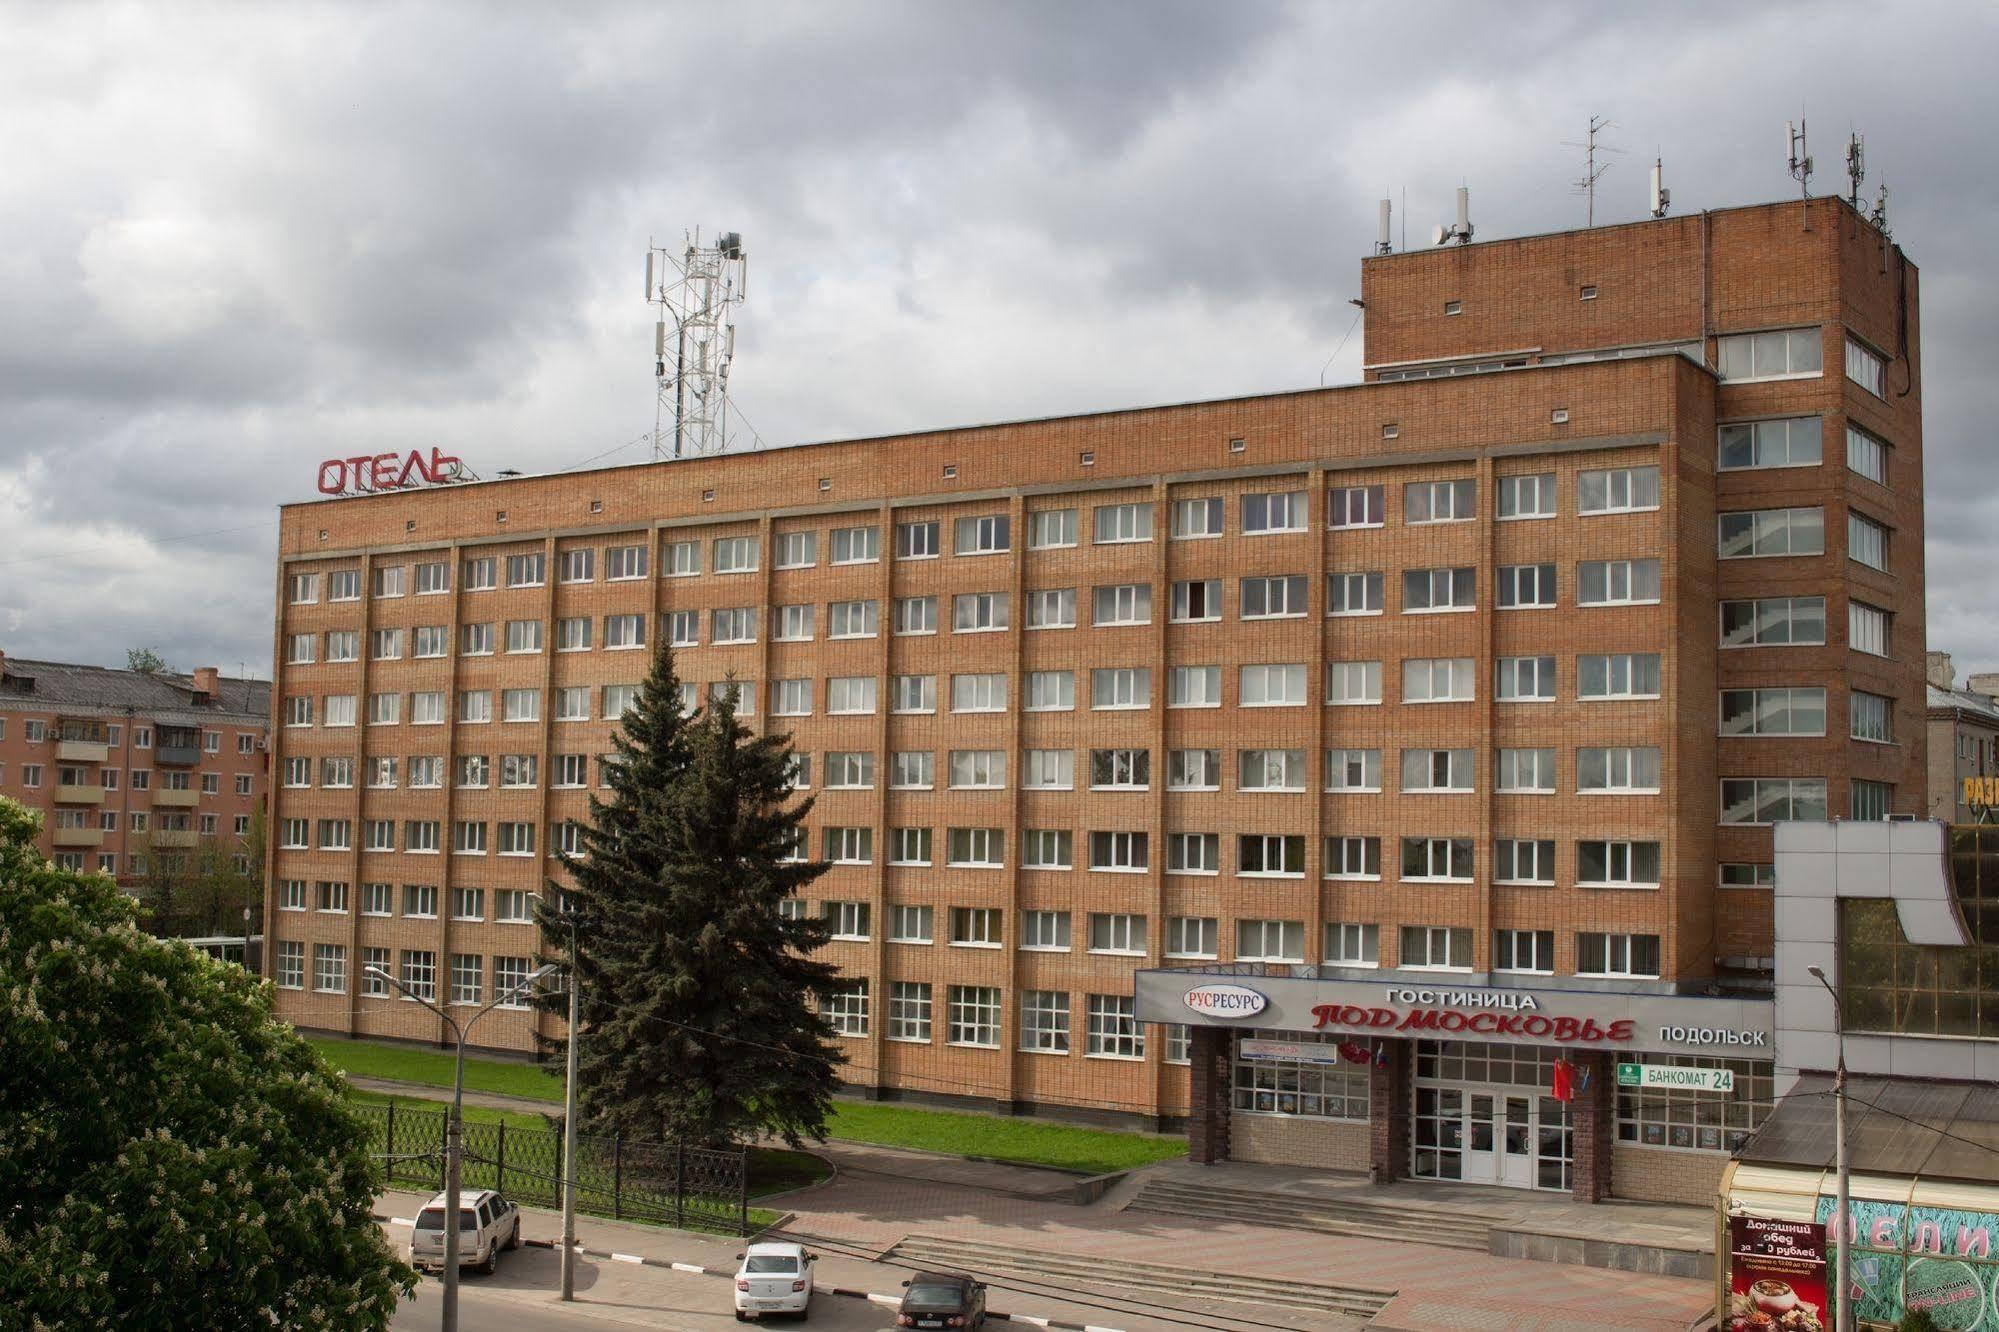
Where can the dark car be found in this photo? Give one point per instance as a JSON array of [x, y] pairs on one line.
[[932, 1299]]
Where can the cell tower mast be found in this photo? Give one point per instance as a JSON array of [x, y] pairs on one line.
[[694, 341]]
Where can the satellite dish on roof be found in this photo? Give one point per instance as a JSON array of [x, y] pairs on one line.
[[1438, 234]]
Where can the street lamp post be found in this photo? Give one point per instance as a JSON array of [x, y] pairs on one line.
[[1842, 1256], [569, 1127], [454, 1128]]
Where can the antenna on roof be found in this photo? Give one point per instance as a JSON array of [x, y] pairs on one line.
[[1662, 198], [1461, 231], [1381, 245], [694, 291], [1856, 168], [1585, 184], [1879, 217], [1800, 161]]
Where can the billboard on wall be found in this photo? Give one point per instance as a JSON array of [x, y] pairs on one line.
[[1938, 1259], [1776, 1275]]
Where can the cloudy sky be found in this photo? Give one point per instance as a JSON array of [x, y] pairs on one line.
[[236, 239]]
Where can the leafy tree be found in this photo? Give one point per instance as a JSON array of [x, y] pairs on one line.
[[144, 660], [190, 892], [170, 1155], [697, 1021]]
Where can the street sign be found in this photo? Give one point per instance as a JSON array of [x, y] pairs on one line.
[[1674, 1078]]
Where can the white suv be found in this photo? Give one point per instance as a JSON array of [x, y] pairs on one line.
[[487, 1223]]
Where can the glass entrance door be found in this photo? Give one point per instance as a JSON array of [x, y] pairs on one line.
[[1491, 1135], [1516, 1161]]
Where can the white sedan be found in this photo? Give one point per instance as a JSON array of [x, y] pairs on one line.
[[773, 1278]]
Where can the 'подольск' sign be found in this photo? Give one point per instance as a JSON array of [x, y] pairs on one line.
[[371, 473]]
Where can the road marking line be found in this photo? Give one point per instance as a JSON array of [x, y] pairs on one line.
[[627, 1258], [878, 1298], [1026, 1318], [696, 1268]]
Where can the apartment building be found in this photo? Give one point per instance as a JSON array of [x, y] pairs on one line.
[[1963, 744], [124, 763], [1491, 672]]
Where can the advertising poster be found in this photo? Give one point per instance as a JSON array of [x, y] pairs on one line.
[[1776, 1275], [1936, 1259]]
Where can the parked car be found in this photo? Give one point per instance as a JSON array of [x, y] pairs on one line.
[[773, 1278], [487, 1223], [934, 1299]]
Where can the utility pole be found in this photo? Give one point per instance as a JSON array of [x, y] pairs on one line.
[[1843, 1258], [569, 1129]]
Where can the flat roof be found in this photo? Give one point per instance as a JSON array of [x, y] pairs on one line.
[[1895, 1126]]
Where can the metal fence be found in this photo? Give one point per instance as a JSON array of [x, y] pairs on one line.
[[693, 1188]]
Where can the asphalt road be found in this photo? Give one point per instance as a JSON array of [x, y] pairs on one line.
[[521, 1297]]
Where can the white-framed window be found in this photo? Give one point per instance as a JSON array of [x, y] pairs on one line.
[[377, 899], [1051, 529], [975, 927], [343, 585], [1044, 931], [909, 846], [1773, 710], [1865, 366], [1619, 675], [1120, 687], [622, 563], [1437, 771], [1784, 353], [1617, 864], [479, 574], [1270, 940], [1353, 770], [433, 578], [1869, 800], [1617, 770], [1193, 853], [1194, 687], [291, 892], [1116, 524], [1437, 859], [983, 692], [1632, 955], [1119, 852], [791, 698], [1531, 496], [1272, 686], [1521, 860], [1752, 801], [1772, 622], [1188, 936], [916, 541], [1436, 948], [1356, 506], [1530, 951], [736, 554], [1789, 442], [987, 534], [856, 545], [1867, 628], [468, 904], [576, 565], [301, 649], [1437, 680], [978, 612], [847, 920], [290, 969], [845, 1007], [1122, 603], [911, 924], [475, 640], [850, 695], [1120, 769], [1044, 1021], [385, 645], [1866, 455], [794, 624], [1117, 932], [849, 619], [850, 846], [1049, 769], [1047, 848], [981, 848], [1197, 601], [1270, 855], [1114, 1029], [1194, 519], [1270, 770], [913, 694], [388, 580], [515, 839], [732, 624], [1868, 716], [625, 632], [520, 705], [972, 1016], [1273, 598], [527, 570], [1762, 533], [1351, 944], [1617, 490], [426, 772], [420, 901], [796, 550], [429, 640], [915, 615], [1427, 591], [682, 559], [1194, 770], [849, 769], [302, 589], [1353, 593], [384, 709], [1866, 542], [1353, 683], [1617, 582], [523, 635], [1524, 679], [474, 770], [909, 1011], [1439, 502], [1051, 691], [1051, 608], [343, 645], [1275, 511], [978, 769]]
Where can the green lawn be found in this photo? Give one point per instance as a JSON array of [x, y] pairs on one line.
[[1012, 1139]]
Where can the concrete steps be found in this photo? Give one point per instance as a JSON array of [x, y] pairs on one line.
[[1127, 1276], [1400, 1221]]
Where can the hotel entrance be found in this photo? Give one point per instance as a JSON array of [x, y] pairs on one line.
[[1482, 1115]]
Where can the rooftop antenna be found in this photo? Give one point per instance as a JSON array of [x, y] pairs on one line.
[[1662, 198], [1856, 168], [1879, 217], [694, 291], [1800, 160], [1381, 245], [1586, 183], [1461, 231]]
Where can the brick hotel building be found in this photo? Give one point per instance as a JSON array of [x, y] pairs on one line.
[[1488, 673]]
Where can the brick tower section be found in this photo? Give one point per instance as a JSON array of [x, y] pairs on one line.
[[1592, 1116], [1388, 1125]]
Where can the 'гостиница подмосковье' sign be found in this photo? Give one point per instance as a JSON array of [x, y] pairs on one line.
[[1577, 1019]]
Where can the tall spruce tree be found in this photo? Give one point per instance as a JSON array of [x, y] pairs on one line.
[[696, 1015]]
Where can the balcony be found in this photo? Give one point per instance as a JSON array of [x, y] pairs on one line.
[[167, 798], [176, 840], [68, 838], [67, 794], [81, 740], [177, 753]]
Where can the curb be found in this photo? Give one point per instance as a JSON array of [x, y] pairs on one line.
[[696, 1269]]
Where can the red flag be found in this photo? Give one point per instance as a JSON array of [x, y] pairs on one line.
[[1564, 1087]]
